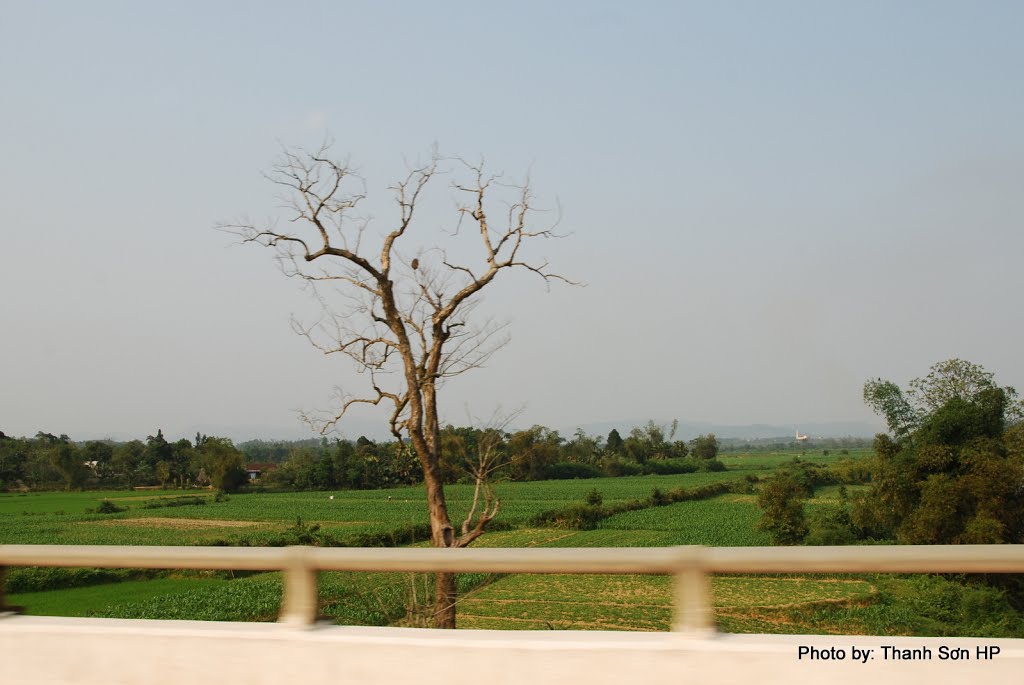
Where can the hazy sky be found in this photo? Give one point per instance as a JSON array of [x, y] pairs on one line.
[[769, 202]]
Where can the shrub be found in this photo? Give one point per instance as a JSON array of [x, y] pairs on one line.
[[616, 467], [108, 507], [782, 506], [568, 470], [186, 501], [831, 525], [659, 499]]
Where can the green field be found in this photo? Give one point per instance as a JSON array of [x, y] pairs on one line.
[[743, 603], [60, 518]]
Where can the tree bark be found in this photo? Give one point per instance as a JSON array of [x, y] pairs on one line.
[[444, 600]]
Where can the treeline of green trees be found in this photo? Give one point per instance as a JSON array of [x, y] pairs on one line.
[[50, 461], [537, 453], [950, 470]]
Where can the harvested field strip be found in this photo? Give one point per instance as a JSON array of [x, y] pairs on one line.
[[643, 602]]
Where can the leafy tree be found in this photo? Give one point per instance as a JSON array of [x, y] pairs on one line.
[[222, 464], [953, 379], [13, 456], [782, 507], [887, 400], [955, 477], [532, 452], [646, 442], [957, 379], [126, 461], [705, 446], [183, 462], [157, 450], [99, 455], [582, 449], [163, 473], [613, 444], [66, 458]]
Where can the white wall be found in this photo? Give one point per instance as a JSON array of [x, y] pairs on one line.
[[47, 650]]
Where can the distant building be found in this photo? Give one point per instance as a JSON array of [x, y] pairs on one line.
[[254, 471]]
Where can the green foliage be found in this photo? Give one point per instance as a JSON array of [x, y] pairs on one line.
[[108, 507], [222, 464], [617, 467], [781, 503], [185, 501], [39, 579], [594, 498], [955, 477], [830, 525], [953, 386], [704, 446], [614, 442], [567, 470], [887, 400], [683, 465]]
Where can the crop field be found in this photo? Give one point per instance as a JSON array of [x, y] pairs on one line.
[[169, 517], [723, 521], [766, 461], [526, 602], [61, 518]]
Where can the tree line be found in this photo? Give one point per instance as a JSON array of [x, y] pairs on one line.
[[536, 453], [52, 461]]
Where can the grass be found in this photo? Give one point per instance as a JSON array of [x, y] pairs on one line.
[[73, 503]]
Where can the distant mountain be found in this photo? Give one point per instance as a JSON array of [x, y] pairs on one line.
[[691, 429]]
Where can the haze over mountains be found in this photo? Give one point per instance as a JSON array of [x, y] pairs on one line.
[[687, 430], [377, 430]]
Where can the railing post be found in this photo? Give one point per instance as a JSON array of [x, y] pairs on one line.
[[301, 602], [692, 612]]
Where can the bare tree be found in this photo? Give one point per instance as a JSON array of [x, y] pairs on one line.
[[407, 318]]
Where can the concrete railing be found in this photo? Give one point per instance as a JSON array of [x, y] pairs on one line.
[[690, 566]]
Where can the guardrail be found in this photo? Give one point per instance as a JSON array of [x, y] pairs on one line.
[[690, 566]]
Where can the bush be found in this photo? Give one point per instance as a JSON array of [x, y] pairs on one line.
[[666, 467], [108, 507], [617, 467], [187, 501], [782, 506], [594, 498], [574, 517], [831, 525], [568, 470], [39, 579]]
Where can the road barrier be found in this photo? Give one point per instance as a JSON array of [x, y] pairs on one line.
[[690, 566]]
